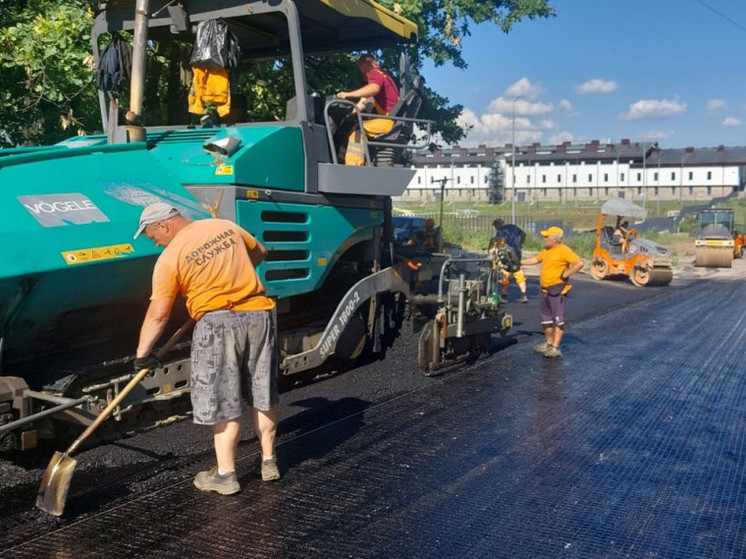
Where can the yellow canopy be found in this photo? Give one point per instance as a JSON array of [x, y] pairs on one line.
[[374, 11]]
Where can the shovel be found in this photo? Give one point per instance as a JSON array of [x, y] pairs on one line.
[[59, 472]]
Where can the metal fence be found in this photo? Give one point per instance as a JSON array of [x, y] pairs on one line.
[[483, 223]]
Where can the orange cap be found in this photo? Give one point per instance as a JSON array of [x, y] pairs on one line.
[[553, 230]]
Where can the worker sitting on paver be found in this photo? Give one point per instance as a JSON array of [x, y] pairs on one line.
[[385, 94]]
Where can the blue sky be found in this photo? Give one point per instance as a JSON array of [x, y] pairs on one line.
[[671, 71]]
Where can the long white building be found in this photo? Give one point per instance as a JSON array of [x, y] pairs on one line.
[[577, 172]]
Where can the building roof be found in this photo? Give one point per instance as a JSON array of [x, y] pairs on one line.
[[593, 152]]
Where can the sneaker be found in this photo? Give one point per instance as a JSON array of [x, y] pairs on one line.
[[541, 347], [211, 480], [524, 299], [552, 351], [267, 469]]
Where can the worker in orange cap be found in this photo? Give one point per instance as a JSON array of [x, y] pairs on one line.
[[558, 263]]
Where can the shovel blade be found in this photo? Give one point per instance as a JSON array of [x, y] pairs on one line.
[[55, 483]]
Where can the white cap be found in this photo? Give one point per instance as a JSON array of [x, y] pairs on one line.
[[153, 213]]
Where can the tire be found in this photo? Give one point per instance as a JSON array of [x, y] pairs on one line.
[[599, 269], [640, 276]]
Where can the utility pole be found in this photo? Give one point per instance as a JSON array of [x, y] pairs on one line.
[[512, 166], [442, 182]]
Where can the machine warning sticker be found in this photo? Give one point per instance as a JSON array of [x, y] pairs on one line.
[[86, 255], [224, 170], [54, 210]]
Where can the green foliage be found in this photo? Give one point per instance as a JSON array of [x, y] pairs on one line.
[[688, 224], [453, 234], [46, 71]]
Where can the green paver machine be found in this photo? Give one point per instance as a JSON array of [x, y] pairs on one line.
[[75, 284]]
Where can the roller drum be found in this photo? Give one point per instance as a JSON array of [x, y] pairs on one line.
[[713, 257]]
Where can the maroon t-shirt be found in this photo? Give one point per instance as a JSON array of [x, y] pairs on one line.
[[389, 93]]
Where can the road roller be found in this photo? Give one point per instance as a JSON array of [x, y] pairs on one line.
[[626, 254], [718, 242]]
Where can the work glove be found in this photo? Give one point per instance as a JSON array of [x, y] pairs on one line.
[[147, 362]]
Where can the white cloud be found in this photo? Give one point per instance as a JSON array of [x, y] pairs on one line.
[[731, 122], [525, 88], [715, 106], [654, 108], [522, 107], [497, 124], [596, 85], [566, 106]]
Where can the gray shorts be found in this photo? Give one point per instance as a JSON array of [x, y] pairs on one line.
[[552, 309], [234, 358]]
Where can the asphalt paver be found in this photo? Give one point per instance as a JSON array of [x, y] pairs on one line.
[[633, 444]]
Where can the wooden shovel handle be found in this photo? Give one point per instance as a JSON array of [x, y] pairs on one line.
[[130, 385]]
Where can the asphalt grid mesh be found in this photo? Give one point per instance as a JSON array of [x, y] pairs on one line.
[[631, 445]]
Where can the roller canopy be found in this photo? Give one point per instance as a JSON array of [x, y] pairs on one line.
[[620, 206]]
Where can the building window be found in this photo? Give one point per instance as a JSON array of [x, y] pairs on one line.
[[691, 175], [574, 179], [606, 177], [639, 177], [622, 177], [709, 175], [639, 191], [543, 179], [559, 179], [709, 190], [590, 178], [655, 176], [458, 180], [606, 191], [472, 179], [419, 180], [673, 175], [691, 190]]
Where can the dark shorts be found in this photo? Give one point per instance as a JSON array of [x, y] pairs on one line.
[[552, 309], [234, 359]]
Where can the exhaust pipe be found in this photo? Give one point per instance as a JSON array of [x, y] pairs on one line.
[[136, 132]]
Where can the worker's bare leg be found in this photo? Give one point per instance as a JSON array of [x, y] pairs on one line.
[[557, 333], [522, 287], [548, 333], [265, 425], [227, 434]]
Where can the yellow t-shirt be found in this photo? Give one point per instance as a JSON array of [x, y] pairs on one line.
[[208, 263], [554, 261]]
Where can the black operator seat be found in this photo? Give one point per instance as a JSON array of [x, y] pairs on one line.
[[406, 107]]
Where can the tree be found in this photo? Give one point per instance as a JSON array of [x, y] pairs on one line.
[[46, 71]]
